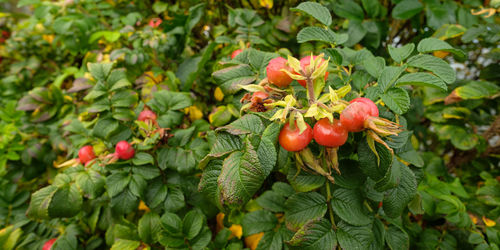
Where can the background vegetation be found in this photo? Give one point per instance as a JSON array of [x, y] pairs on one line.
[[76, 73]]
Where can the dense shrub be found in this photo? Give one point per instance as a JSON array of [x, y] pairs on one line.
[[249, 124]]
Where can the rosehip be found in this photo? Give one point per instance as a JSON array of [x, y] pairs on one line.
[[259, 96], [292, 140], [371, 106], [329, 134], [48, 244], [235, 53], [155, 22], [124, 150], [304, 62], [274, 73], [353, 117], [147, 115], [86, 154]]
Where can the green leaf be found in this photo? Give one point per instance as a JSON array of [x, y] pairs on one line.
[[389, 76], [319, 34], [396, 238], [283, 189], [348, 205], [354, 237], [40, 201], [156, 193], [100, 71], [208, 183], [159, 7], [352, 177], [258, 221], [422, 79], [66, 202], [398, 198], [314, 235], [192, 223], [368, 160], [349, 9], [302, 207], [142, 158], [122, 244], [334, 54], [316, 10], [401, 53], [171, 223], [245, 125], [175, 200], [304, 181], [432, 44], [435, 65], [164, 101], [149, 226], [241, 176], [374, 66], [477, 90], [271, 241], [397, 100], [117, 182], [90, 182], [379, 234], [137, 185], [372, 7], [271, 201], [124, 202], [230, 78], [202, 239], [106, 127], [407, 9]]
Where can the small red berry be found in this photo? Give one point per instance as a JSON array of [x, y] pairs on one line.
[[155, 22], [372, 107], [86, 154], [124, 150], [292, 140], [274, 73], [235, 53], [48, 244], [304, 62], [330, 134], [147, 115]]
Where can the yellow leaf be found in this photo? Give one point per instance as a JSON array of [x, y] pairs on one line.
[[143, 206], [236, 230], [194, 113], [253, 240], [488, 222], [219, 96], [440, 53], [266, 3], [220, 221]]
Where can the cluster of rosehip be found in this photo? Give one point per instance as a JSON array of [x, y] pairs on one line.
[[354, 118], [123, 149], [357, 115]]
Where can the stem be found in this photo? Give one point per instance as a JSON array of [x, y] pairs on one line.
[[330, 210], [310, 90]]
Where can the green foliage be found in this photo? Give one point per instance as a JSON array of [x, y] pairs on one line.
[[208, 172]]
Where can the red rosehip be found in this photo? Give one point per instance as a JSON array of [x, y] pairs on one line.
[[235, 53], [329, 134], [147, 115], [304, 62], [274, 73], [370, 105], [48, 244], [155, 22], [353, 117], [86, 154], [292, 140], [124, 150]]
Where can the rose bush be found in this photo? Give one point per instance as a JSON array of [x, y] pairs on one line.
[[258, 124]]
